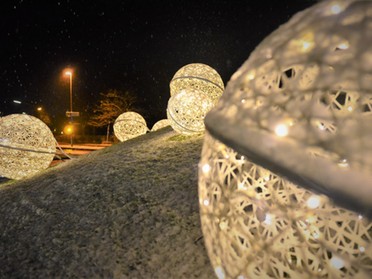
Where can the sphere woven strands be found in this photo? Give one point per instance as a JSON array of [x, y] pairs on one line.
[[187, 109], [257, 224], [197, 76], [129, 125], [160, 124], [285, 182], [306, 90], [27, 146]]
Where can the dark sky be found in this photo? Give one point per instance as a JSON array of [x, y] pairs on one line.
[[129, 45]]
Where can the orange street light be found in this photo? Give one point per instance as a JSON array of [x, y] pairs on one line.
[[68, 72], [68, 130]]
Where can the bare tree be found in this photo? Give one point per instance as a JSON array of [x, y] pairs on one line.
[[112, 104]]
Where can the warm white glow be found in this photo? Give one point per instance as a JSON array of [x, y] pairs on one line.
[[251, 75], [268, 219], [197, 76], [306, 45], [343, 46], [195, 90], [343, 163], [160, 124], [129, 125], [337, 262], [219, 272], [254, 209], [281, 130], [27, 146], [321, 126], [223, 224], [305, 116], [68, 73], [206, 168], [336, 9], [187, 109], [313, 202], [241, 186]]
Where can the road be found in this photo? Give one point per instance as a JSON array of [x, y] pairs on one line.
[[75, 151]]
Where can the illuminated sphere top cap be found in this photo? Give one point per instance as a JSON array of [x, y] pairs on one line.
[[160, 124], [197, 76], [301, 105], [27, 146], [129, 125]]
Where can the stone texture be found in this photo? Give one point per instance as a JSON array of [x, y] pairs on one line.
[[126, 211]]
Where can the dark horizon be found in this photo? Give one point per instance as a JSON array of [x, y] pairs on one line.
[[134, 46]]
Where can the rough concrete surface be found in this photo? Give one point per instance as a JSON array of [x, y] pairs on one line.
[[126, 211]]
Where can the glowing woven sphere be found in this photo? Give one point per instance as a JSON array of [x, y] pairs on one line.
[[129, 125], [197, 76], [187, 109], [160, 124], [285, 178], [27, 146]]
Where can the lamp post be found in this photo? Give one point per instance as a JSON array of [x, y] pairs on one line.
[[68, 72]]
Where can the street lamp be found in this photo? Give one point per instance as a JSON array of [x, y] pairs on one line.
[[68, 72]]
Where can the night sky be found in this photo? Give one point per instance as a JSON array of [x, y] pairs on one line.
[[128, 45]]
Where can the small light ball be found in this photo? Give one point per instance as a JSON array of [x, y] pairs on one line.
[[197, 76], [129, 125], [187, 109], [27, 146], [285, 177], [160, 124]]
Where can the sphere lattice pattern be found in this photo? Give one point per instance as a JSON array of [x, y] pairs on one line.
[[27, 146], [129, 125], [301, 107], [259, 225], [187, 109], [197, 76], [306, 90], [160, 124]]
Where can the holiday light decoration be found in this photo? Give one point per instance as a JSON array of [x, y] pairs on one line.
[[129, 125], [27, 146], [187, 109], [285, 178], [160, 124], [197, 76], [194, 89]]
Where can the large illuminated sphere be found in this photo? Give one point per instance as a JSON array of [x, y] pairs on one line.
[[160, 124], [129, 125], [27, 146], [197, 76], [186, 111], [285, 178]]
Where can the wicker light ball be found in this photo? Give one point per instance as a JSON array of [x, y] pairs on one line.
[[187, 109], [285, 177], [197, 76], [27, 146], [160, 124], [129, 125]]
